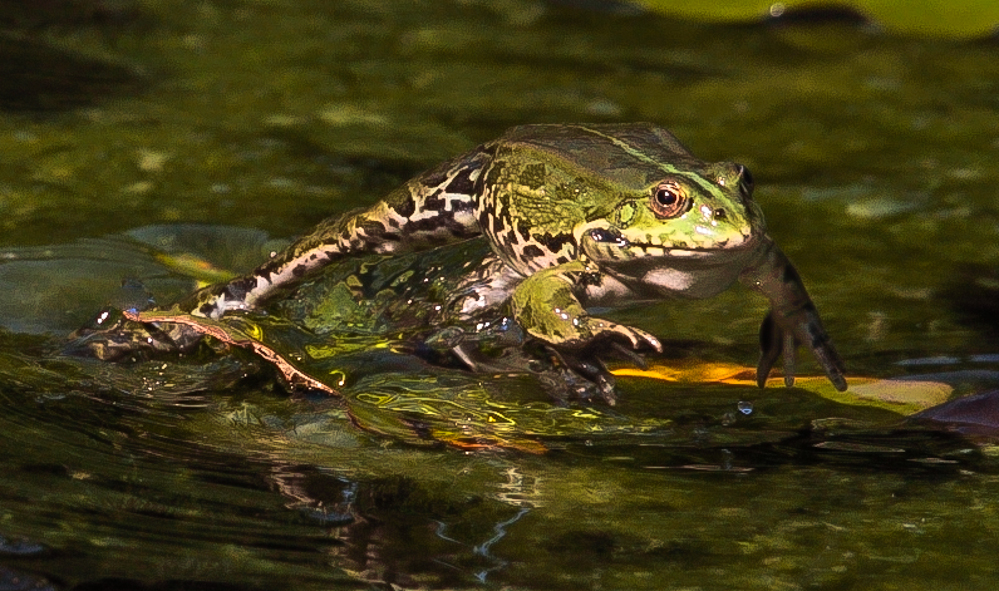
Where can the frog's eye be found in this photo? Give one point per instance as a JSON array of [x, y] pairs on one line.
[[746, 183], [669, 200]]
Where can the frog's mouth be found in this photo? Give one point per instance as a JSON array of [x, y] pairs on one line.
[[608, 246]]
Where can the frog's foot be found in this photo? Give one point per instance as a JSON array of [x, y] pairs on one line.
[[576, 376], [777, 341], [583, 367], [113, 337]]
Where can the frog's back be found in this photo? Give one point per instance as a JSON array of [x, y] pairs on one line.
[[556, 136], [627, 154]]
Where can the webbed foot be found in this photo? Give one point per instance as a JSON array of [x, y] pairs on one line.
[[583, 371], [777, 341]]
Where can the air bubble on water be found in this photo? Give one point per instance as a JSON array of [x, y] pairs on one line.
[[745, 407]]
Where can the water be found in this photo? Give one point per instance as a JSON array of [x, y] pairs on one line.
[[874, 158]]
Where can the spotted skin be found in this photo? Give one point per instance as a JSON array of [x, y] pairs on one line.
[[433, 209], [577, 216]]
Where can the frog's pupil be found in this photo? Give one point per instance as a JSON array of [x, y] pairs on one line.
[[666, 197]]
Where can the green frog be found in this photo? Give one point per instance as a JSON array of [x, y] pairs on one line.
[[578, 217]]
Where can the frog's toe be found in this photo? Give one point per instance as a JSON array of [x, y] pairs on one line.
[[771, 346], [606, 386], [833, 365], [774, 344], [636, 338], [581, 376], [629, 355], [596, 372]]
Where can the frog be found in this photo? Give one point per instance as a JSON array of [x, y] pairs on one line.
[[578, 217]]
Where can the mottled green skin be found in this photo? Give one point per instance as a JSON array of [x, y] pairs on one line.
[[577, 216]]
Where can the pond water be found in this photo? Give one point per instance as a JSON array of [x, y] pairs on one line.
[[140, 139]]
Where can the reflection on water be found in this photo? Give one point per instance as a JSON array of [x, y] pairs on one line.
[[198, 469], [875, 157]]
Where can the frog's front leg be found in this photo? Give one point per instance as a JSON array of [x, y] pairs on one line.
[[546, 307], [792, 320]]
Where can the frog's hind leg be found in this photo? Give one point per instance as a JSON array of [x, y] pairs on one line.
[[433, 209]]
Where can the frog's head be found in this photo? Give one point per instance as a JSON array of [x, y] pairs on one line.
[[698, 212], [686, 233], [636, 202]]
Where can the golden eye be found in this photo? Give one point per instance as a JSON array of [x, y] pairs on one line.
[[669, 200]]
